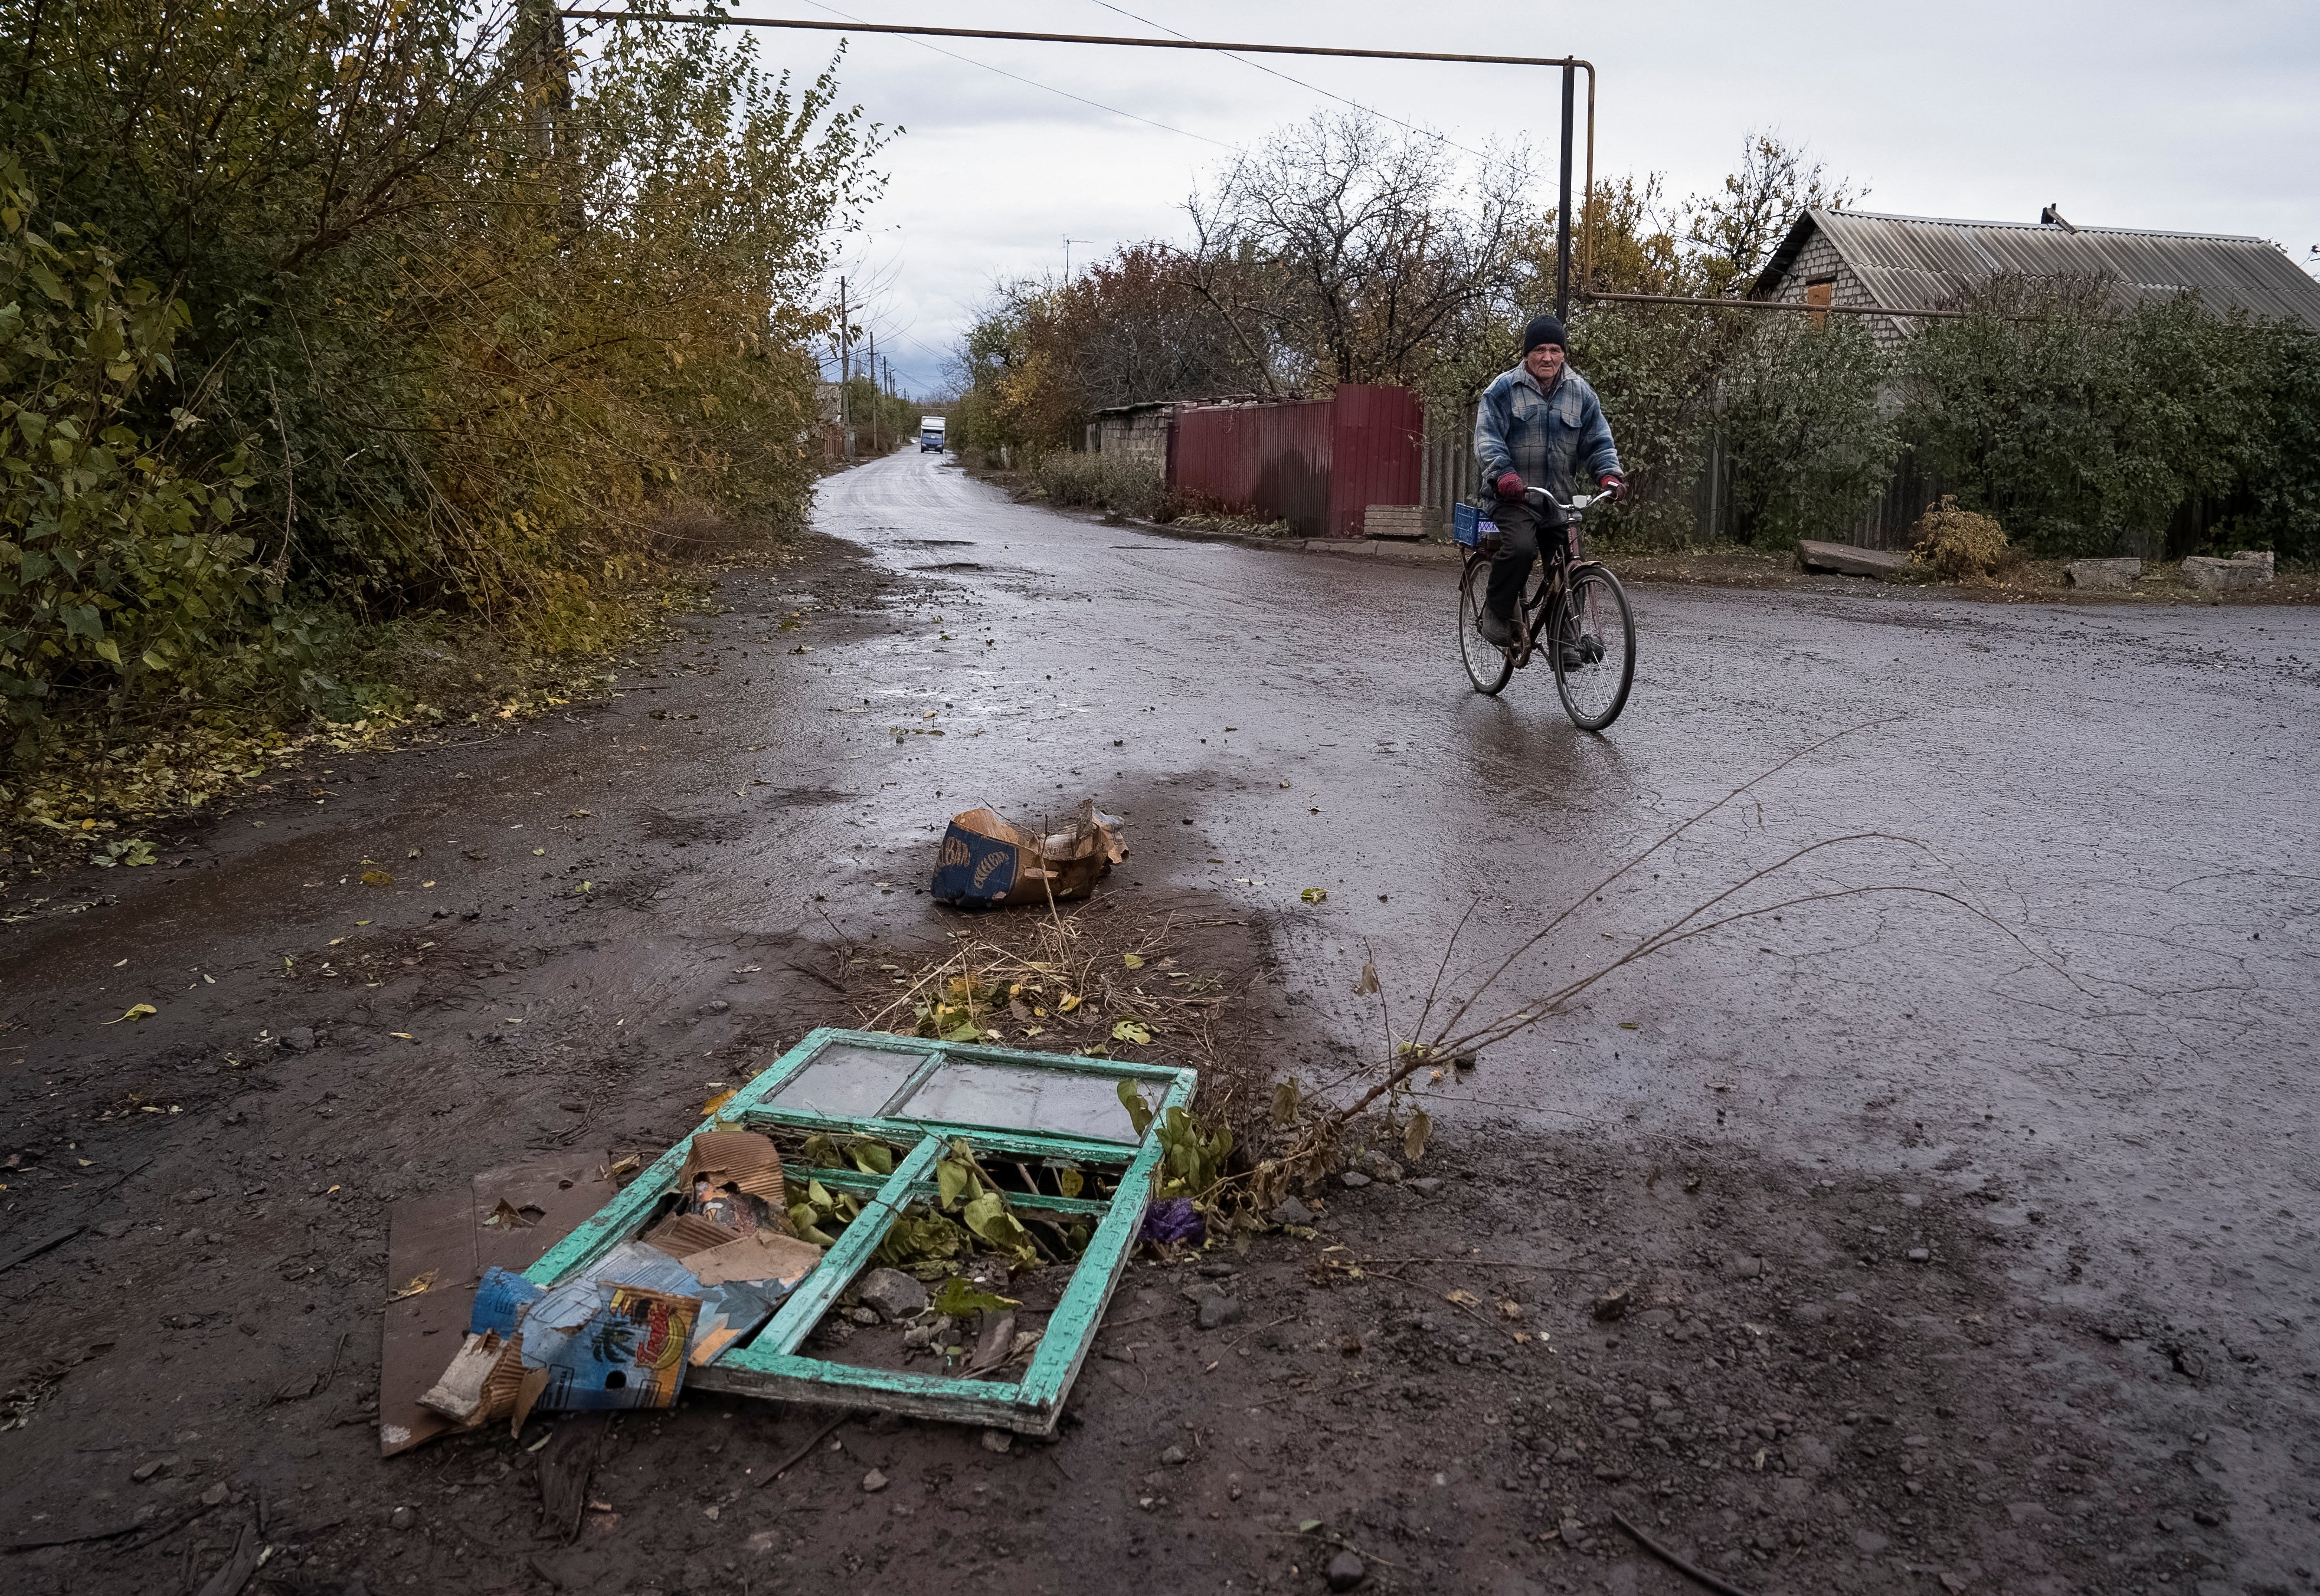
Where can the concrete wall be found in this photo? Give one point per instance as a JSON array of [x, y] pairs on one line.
[[1139, 434]]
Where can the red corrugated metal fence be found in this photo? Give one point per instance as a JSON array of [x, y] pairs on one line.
[[1316, 463]]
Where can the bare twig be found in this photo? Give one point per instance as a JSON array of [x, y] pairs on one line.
[[1690, 1571], [798, 1456]]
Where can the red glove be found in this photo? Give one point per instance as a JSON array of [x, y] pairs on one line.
[[1615, 486], [1509, 486]]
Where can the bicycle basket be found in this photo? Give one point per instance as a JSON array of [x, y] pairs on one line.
[[1470, 526]]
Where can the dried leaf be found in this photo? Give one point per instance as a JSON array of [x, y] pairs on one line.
[[1414, 1135], [1368, 983], [1285, 1099]]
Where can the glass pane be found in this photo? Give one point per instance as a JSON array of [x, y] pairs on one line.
[[1014, 1098], [849, 1081]]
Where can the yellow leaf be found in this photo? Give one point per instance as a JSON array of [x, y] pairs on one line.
[[1314, 894], [1465, 1299], [1071, 1001], [1133, 960], [405, 1035], [137, 1011], [717, 1100], [377, 879]]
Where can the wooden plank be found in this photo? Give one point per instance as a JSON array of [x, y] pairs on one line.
[[1043, 1144], [804, 1307], [935, 1057], [811, 1380], [1071, 1326], [853, 1180]]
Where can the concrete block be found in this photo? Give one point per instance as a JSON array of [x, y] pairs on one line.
[[1394, 520], [2103, 573], [2260, 556], [2226, 576], [1847, 560]]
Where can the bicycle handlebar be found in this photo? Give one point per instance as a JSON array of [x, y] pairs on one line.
[[1579, 501]]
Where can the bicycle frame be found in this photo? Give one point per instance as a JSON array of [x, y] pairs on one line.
[[1559, 562]]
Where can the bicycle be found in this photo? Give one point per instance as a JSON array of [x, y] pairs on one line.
[[1576, 600]]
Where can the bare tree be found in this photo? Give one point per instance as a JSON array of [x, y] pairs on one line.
[[1342, 251], [1730, 235]]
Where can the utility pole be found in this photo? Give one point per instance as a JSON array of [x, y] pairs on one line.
[[874, 406], [1067, 256], [1563, 210], [845, 371]]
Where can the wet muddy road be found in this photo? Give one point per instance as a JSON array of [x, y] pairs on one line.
[[2053, 984]]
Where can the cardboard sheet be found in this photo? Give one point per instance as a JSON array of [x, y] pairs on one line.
[[782, 1258], [743, 1160], [444, 1241]]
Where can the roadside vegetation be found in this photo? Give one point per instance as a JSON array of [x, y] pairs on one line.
[[1342, 252], [376, 365]]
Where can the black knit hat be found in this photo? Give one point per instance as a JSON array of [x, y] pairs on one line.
[[1544, 329]]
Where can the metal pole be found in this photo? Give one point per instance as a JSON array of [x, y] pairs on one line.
[[845, 376], [1563, 207], [1567, 63]]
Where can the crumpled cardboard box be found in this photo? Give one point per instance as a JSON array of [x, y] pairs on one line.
[[984, 860]]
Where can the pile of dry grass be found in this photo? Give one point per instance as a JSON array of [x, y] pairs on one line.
[[1093, 979], [1961, 543]]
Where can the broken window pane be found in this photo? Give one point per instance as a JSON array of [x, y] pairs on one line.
[[1055, 1102], [849, 1081]]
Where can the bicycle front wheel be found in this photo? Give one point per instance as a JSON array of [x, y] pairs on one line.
[[1487, 666], [1594, 645]]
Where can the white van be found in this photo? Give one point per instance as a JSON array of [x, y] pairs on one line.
[[930, 434]]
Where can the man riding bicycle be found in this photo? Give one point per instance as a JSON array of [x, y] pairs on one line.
[[1537, 427]]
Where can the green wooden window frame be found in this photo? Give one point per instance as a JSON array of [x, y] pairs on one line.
[[771, 1365]]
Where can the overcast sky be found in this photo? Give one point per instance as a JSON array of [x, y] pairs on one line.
[[2129, 113]]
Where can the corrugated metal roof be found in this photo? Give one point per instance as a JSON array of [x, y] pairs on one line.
[[1922, 263]]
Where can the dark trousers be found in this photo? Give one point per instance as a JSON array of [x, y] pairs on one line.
[[1520, 533]]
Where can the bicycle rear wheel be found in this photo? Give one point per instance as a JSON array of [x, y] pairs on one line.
[[1591, 621], [1487, 667]]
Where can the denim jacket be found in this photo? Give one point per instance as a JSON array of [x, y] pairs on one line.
[[1546, 439]]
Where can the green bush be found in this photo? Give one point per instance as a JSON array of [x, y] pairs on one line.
[[1103, 481], [1800, 414], [121, 574], [446, 331], [2089, 431], [1654, 369]]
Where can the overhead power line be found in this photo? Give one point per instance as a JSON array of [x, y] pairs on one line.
[[1036, 84], [1300, 83]]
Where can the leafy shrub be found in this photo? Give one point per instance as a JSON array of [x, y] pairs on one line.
[[1959, 543], [1802, 417], [2090, 430], [120, 573], [438, 338], [1103, 481]]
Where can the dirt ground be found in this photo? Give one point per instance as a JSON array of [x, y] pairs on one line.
[[1819, 1375]]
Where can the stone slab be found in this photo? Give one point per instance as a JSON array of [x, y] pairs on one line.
[[2226, 576], [2103, 573], [1848, 560]]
